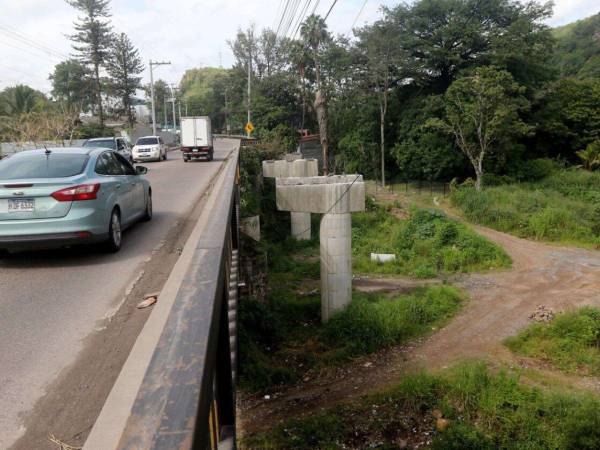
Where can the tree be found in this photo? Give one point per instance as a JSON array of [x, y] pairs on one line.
[[590, 157], [447, 36], [71, 84], [314, 33], [161, 91], [92, 41], [124, 66], [20, 99], [382, 58], [482, 110]]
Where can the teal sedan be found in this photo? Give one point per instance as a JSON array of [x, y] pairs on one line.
[[68, 196]]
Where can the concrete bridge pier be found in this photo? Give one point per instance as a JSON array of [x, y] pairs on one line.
[[293, 166], [335, 197]]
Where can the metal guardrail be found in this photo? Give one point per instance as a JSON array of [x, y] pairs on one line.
[[186, 398]]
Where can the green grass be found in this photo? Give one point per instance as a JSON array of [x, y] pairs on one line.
[[569, 342], [426, 244], [486, 410], [282, 339], [563, 207]]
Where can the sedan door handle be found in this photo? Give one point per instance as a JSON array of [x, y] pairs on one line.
[[118, 186]]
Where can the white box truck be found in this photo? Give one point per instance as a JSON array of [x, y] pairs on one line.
[[196, 138]]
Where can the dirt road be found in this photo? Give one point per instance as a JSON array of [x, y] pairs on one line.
[[500, 305]]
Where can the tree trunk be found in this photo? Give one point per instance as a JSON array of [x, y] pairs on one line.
[[478, 174], [321, 110], [99, 94], [382, 135]]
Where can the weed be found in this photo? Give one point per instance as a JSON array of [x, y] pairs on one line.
[[570, 342], [562, 207], [486, 410], [426, 244]]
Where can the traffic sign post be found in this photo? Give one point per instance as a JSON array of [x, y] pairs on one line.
[[249, 128]]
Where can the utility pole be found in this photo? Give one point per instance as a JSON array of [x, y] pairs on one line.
[[173, 100], [165, 113], [152, 64], [249, 78]]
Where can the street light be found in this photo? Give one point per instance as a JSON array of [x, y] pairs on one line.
[[152, 64]]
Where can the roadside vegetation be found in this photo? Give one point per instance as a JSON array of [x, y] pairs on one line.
[[570, 342], [426, 244], [466, 407], [559, 206], [282, 339]]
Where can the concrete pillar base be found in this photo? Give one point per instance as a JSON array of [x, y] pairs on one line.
[[300, 226], [336, 263]]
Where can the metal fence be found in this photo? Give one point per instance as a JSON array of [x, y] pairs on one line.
[[417, 187], [186, 399]]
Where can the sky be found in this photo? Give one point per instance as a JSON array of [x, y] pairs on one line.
[[188, 33]]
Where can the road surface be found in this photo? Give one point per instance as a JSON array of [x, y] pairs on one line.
[[50, 301]]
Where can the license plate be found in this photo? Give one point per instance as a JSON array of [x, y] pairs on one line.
[[21, 205], [195, 150]]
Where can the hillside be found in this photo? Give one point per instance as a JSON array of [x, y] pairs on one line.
[[578, 48]]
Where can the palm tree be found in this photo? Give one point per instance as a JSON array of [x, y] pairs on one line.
[[20, 99], [314, 33], [590, 157]]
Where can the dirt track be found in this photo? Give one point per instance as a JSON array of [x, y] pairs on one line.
[[500, 304]]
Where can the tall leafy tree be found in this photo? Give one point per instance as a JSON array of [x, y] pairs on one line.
[[481, 111], [71, 83], [92, 41], [446, 36], [124, 67], [383, 60]]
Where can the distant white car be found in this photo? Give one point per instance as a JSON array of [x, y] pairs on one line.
[[149, 148]]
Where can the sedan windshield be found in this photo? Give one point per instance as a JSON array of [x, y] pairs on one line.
[[40, 165], [101, 143], [147, 141]]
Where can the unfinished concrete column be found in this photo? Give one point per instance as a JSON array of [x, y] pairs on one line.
[[335, 197], [294, 166], [301, 227]]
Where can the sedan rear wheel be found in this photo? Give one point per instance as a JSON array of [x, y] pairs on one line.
[[115, 232]]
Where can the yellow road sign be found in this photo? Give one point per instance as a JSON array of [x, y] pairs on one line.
[[249, 127]]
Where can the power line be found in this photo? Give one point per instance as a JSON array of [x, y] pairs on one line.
[[29, 74], [283, 14], [359, 13], [37, 55], [301, 18], [14, 34], [291, 17], [329, 12]]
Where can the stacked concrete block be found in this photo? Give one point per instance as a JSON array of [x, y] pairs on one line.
[[293, 166], [335, 197]]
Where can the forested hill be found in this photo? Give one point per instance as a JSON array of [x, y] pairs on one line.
[[578, 48]]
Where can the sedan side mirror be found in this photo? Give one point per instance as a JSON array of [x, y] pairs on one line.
[[141, 170]]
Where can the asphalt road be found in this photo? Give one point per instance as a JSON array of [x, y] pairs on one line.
[[50, 301]]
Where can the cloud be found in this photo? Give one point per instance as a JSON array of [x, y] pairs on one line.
[[189, 33]]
